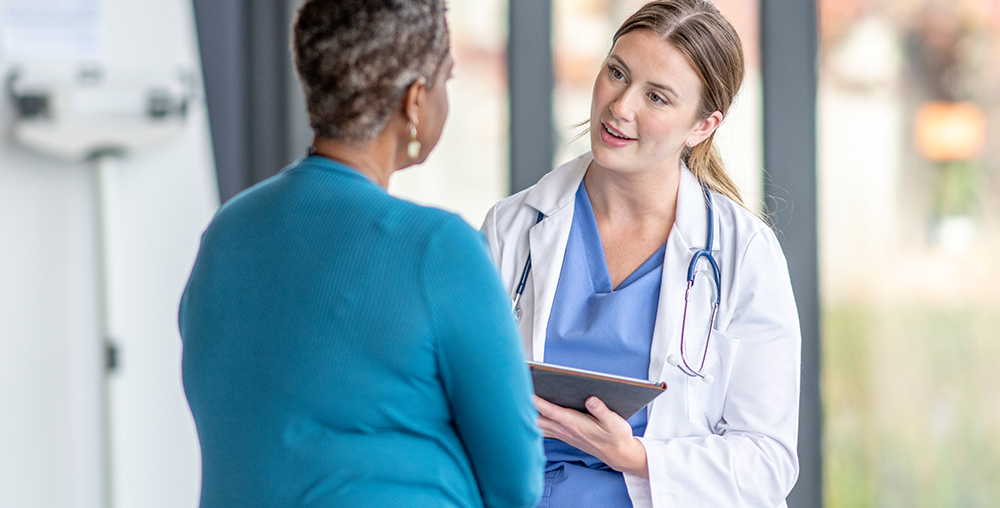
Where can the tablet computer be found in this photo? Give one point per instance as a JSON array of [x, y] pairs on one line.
[[570, 387]]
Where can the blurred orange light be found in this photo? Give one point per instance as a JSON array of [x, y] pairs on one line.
[[950, 131]]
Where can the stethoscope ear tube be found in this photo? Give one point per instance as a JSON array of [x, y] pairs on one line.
[[516, 301]]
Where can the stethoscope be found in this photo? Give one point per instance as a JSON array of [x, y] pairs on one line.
[[673, 360], [516, 301]]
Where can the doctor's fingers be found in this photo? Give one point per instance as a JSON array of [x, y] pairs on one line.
[[568, 425], [560, 414], [569, 433], [550, 428], [582, 432], [615, 433], [606, 418], [543, 406]]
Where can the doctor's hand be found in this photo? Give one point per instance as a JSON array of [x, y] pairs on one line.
[[602, 433]]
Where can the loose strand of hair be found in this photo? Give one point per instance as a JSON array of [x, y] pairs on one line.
[[705, 163]]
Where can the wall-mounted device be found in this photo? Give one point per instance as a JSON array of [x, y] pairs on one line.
[[82, 112]]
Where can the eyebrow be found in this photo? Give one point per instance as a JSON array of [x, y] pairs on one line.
[[665, 88]]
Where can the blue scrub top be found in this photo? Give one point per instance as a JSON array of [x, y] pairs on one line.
[[596, 327]]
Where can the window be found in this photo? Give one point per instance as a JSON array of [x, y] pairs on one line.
[[910, 277], [469, 170]]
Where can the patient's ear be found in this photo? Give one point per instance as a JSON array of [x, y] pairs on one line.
[[414, 99]]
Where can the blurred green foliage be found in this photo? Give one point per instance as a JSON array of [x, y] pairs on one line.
[[911, 400], [956, 188]]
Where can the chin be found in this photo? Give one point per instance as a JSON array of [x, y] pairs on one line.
[[609, 158]]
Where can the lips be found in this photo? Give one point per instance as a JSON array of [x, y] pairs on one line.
[[613, 137], [615, 132]]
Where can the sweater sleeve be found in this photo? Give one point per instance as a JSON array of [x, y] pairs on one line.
[[482, 367]]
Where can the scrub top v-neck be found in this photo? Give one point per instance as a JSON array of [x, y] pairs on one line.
[[596, 327]]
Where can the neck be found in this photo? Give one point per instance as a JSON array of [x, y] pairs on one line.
[[648, 197], [376, 158]]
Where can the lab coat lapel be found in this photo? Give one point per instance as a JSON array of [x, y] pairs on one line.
[[687, 236], [553, 196], [691, 222], [547, 242]]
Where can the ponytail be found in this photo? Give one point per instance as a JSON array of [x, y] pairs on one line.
[[706, 165]]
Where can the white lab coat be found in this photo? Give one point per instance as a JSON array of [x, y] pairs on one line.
[[731, 443]]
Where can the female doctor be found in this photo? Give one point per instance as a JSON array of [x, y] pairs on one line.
[[598, 256]]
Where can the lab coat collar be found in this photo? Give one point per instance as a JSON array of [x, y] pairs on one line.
[[557, 190], [691, 222]]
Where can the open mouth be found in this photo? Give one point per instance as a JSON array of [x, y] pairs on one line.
[[615, 133]]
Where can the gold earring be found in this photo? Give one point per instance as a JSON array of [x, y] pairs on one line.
[[413, 148]]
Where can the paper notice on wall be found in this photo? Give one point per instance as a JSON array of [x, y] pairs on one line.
[[59, 30]]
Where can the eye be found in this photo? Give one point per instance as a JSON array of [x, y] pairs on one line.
[[656, 98], [615, 73]]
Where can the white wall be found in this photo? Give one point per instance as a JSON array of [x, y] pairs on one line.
[[51, 378]]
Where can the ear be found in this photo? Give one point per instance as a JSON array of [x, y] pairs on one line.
[[704, 128], [414, 99]]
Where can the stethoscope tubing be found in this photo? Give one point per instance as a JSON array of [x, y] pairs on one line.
[[516, 302], [706, 253]]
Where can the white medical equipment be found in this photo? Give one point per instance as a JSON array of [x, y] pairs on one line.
[[81, 113]]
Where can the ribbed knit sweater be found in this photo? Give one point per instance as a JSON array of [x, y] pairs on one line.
[[343, 347]]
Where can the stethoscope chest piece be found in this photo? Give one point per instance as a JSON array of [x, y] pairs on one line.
[[675, 361]]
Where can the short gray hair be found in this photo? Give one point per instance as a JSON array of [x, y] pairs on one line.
[[356, 58]]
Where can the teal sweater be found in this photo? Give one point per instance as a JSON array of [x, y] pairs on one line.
[[346, 348]]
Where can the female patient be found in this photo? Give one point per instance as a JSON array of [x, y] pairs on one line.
[[343, 347]]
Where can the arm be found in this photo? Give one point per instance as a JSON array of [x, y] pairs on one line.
[[482, 367], [751, 459]]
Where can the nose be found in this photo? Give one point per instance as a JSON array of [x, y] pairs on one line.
[[623, 107]]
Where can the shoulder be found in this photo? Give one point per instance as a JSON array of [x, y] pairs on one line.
[[735, 214], [310, 183], [553, 192], [320, 199], [741, 228], [342, 194], [446, 226], [435, 235], [505, 209], [749, 245]]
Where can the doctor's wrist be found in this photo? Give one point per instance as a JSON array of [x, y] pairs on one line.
[[631, 459]]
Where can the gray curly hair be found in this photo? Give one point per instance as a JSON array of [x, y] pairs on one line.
[[356, 58]]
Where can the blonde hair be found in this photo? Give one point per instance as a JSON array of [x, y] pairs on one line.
[[712, 47]]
